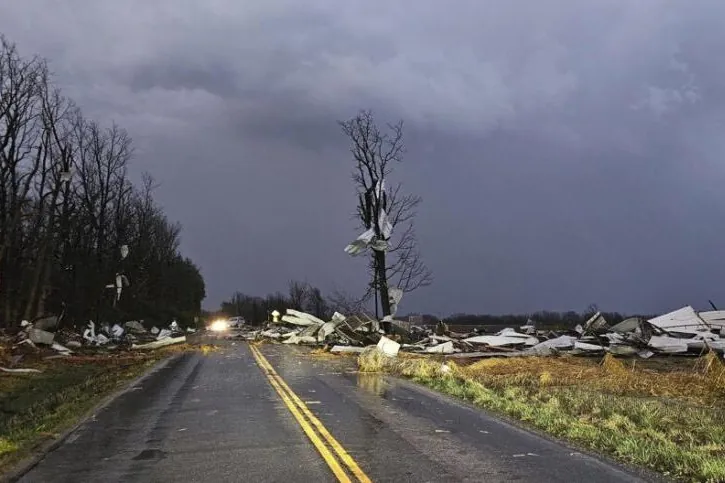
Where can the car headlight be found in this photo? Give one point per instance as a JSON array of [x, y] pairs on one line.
[[219, 325]]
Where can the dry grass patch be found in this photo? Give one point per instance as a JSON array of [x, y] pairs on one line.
[[670, 421]]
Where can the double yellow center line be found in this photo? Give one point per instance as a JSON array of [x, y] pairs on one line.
[[330, 449]]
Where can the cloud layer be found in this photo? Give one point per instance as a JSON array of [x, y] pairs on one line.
[[567, 152]]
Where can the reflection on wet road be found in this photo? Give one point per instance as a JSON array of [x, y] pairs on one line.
[[398, 431], [220, 418]]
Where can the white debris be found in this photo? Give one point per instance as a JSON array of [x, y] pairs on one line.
[[326, 329], [161, 343], [272, 334], [154, 330], [90, 333], [703, 340], [117, 331], [20, 371], [667, 344], [296, 339], [62, 349], [585, 346], [596, 323], [163, 334], [631, 324], [38, 336], [395, 295], [684, 320], [444, 348], [563, 342], [361, 243], [346, 348], [121, 281], [715, 319], [291, 338], [296, 317], [386, 228], [439, 338], [174, 327], [388, 347], [26, 342], [305, 315], [507, 337], [529, 328]]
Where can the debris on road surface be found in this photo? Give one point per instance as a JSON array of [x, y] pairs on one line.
[[160, 343], [346, 348]]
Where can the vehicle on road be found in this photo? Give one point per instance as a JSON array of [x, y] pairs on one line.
[[218, 325], [226, 324]]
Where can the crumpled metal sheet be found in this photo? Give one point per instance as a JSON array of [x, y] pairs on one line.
[[684, 320]]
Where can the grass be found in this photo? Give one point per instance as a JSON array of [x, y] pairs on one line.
[[37, 407], [671, 421]]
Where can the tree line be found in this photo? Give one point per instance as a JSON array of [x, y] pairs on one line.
[[300, 296], [542, 319], [76, 235]]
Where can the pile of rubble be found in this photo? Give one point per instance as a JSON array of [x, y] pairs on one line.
[[682, 332], [302, 328], [47, 339]]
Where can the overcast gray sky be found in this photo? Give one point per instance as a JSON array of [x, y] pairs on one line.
[[567, 151]]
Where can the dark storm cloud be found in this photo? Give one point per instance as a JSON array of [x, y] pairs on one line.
[[174, 74], [567, 152]]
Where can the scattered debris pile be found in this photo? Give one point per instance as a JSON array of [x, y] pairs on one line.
[[45, 338], [682, 332], [298, 327]]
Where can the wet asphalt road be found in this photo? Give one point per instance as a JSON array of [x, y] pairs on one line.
[[217, 418]]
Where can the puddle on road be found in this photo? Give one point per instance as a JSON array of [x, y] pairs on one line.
[[372, 383]]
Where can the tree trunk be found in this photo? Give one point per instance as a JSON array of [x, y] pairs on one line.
[[40, 266], [383, 287], [45, 289]]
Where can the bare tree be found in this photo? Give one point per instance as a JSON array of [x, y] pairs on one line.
[[388, 214], [316, 304], [298, 294], [345, 303]]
